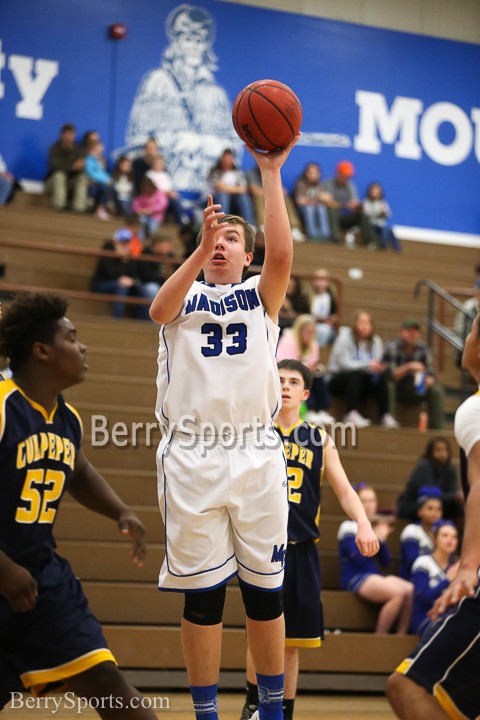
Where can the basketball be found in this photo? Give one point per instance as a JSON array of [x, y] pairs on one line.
[[267, 115]]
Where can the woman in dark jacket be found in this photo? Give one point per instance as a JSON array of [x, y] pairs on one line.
[[433, 469]]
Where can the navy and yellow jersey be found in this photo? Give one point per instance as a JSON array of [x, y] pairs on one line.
[[305, 454], [37, 458]]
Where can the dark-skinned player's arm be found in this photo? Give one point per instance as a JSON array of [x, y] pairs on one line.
[[17, 584], [92, 491], [466, 579], [277, 265]]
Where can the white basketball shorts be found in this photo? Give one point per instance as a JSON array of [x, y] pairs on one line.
[[225, 509]]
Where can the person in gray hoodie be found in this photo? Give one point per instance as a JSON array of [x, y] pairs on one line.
[[356, 373]]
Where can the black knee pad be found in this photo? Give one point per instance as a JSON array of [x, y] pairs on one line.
[[205, 608], [261, 604]]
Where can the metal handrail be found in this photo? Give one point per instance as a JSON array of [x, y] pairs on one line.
[[437, 326]]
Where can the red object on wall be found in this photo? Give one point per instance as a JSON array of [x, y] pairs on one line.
[[117, 31]]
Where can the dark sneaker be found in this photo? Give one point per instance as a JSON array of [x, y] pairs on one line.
[[248, 711]]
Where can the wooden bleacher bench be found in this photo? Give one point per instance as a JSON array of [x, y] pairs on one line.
[[58, 251]]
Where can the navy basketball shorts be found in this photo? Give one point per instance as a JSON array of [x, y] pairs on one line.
[[60, 637], [447, 660], [302, 605]]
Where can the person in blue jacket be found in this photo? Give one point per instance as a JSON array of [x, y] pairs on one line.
[[418, 538], [433, 573], [362, 575]]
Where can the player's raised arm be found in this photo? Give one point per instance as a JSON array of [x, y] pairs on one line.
[[168, 302], [278, 237], [466, 579], [366, 539]]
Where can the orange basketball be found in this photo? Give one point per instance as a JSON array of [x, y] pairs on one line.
[[267, 115]]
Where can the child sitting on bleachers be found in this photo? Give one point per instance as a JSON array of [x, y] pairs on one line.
[[362, 575], [418, 538]]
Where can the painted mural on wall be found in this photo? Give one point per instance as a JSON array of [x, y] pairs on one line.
[[180, 103], [403, 108]]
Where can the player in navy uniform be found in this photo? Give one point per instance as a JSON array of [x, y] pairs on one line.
[[439, 680], [49, 637], [310, 453]]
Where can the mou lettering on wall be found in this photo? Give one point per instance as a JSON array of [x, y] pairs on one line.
[[405, 109]]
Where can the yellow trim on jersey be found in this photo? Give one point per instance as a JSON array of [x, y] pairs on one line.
[[77, 415], [303, 642], [404, 666], [286, 431], [48, 418], [35, 680], [446, 702], [6, 389]]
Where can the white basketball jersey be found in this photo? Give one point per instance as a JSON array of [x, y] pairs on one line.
[[216, 361]]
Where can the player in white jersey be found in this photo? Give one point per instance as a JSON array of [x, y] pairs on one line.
[[439, 680], [221, 469]]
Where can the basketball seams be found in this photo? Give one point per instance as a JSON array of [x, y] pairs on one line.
[[266, 114], [273, 146]]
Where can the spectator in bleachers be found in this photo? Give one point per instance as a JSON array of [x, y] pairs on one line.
[[259, 249], [417, 538], [298, 343], [256, 191], [99, 179], [323, 307], [362, 575], [150, 205], [132, 225], [432, 573], [409, 363], [296, 303], [7, 183], [163, 181], [378, 211], [123, 186], [187, 234], [311, 200], [89, 137], [143, 163], [66, 180], [158, 272], [345, 210], [123, 275], [356, 372], [228, 186], [434, 469]]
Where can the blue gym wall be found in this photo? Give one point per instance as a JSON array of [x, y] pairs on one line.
[[404, 108]]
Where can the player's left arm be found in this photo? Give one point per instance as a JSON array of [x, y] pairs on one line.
[[92, 491], [366, 539], [466, 579], [278, 237]]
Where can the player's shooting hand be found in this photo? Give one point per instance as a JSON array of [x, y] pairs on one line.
[[275, 158], [19, 587], [464, 584], [366, 540], [129, 524], [211, 215]]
